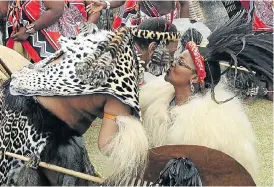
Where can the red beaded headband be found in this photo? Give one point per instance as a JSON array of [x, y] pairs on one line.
[[198, 61]]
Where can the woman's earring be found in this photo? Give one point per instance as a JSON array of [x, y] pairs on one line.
[[192, 87]]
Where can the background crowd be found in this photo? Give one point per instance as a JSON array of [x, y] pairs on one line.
[[52, 19]]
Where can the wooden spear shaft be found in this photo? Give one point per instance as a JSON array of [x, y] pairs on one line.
[[239, 68], [59, 169]]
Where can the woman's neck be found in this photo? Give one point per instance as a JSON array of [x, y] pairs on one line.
[[182, 94]]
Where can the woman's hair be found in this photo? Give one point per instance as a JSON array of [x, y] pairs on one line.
[[212, 69], [154, 24]]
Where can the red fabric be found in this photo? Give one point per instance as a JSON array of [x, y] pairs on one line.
[[245, 4], [130, 5], [197, 59], [46, 39], [80, 4], [26, 45], [10, 43], [117, 23], [32, 10], [259, 26], [263, 16]]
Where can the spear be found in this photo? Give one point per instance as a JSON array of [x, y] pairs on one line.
[[59, 169]]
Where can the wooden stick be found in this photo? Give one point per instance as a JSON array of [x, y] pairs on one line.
[[5, 68], [59, 169], [239, 68]]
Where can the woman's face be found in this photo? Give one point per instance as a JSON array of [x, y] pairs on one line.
[[182, 72]]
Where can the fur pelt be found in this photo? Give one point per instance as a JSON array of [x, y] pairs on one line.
[[61, 146], [128, 152], [224, 127], [71, 156]]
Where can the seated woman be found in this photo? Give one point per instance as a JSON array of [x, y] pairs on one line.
[[184, 109]]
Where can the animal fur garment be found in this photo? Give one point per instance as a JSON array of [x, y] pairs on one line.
[[26, 128], [224, 127], [128, 151], [46, 79], [93, 62], [72, 155]]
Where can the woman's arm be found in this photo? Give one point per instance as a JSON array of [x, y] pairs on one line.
[[92, 18], [124, 141], [54, 11], [184, 12]]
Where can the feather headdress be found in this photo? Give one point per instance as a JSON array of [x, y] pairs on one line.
[[235, 43]]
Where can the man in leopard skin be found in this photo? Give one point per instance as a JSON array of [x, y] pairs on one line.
[[45, 106]]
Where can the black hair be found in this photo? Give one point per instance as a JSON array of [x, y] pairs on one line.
[[212, 69], [191, 35], [235, 43], [154, 24]]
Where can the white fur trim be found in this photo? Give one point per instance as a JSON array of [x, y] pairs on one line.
[[128, 151], [224, 127], [154, 90]]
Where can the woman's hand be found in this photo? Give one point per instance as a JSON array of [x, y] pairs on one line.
[[95, 6], [21, 35]]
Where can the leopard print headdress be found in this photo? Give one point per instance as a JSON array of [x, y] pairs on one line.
[[93, 62]]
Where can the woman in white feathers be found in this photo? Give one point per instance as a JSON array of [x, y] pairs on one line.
[[186, 109]]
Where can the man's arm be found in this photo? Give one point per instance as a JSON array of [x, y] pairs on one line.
[[124, 141], [3, 8], [184, 12], [109, 127]]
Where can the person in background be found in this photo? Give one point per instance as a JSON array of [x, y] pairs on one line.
[[34, 27], [260, 14], [27, 27], [137, 11]]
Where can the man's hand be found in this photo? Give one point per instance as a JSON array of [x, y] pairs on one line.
[[21, 35], [95, 6]]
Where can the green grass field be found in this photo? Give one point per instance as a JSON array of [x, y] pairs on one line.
[[261, 116]]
